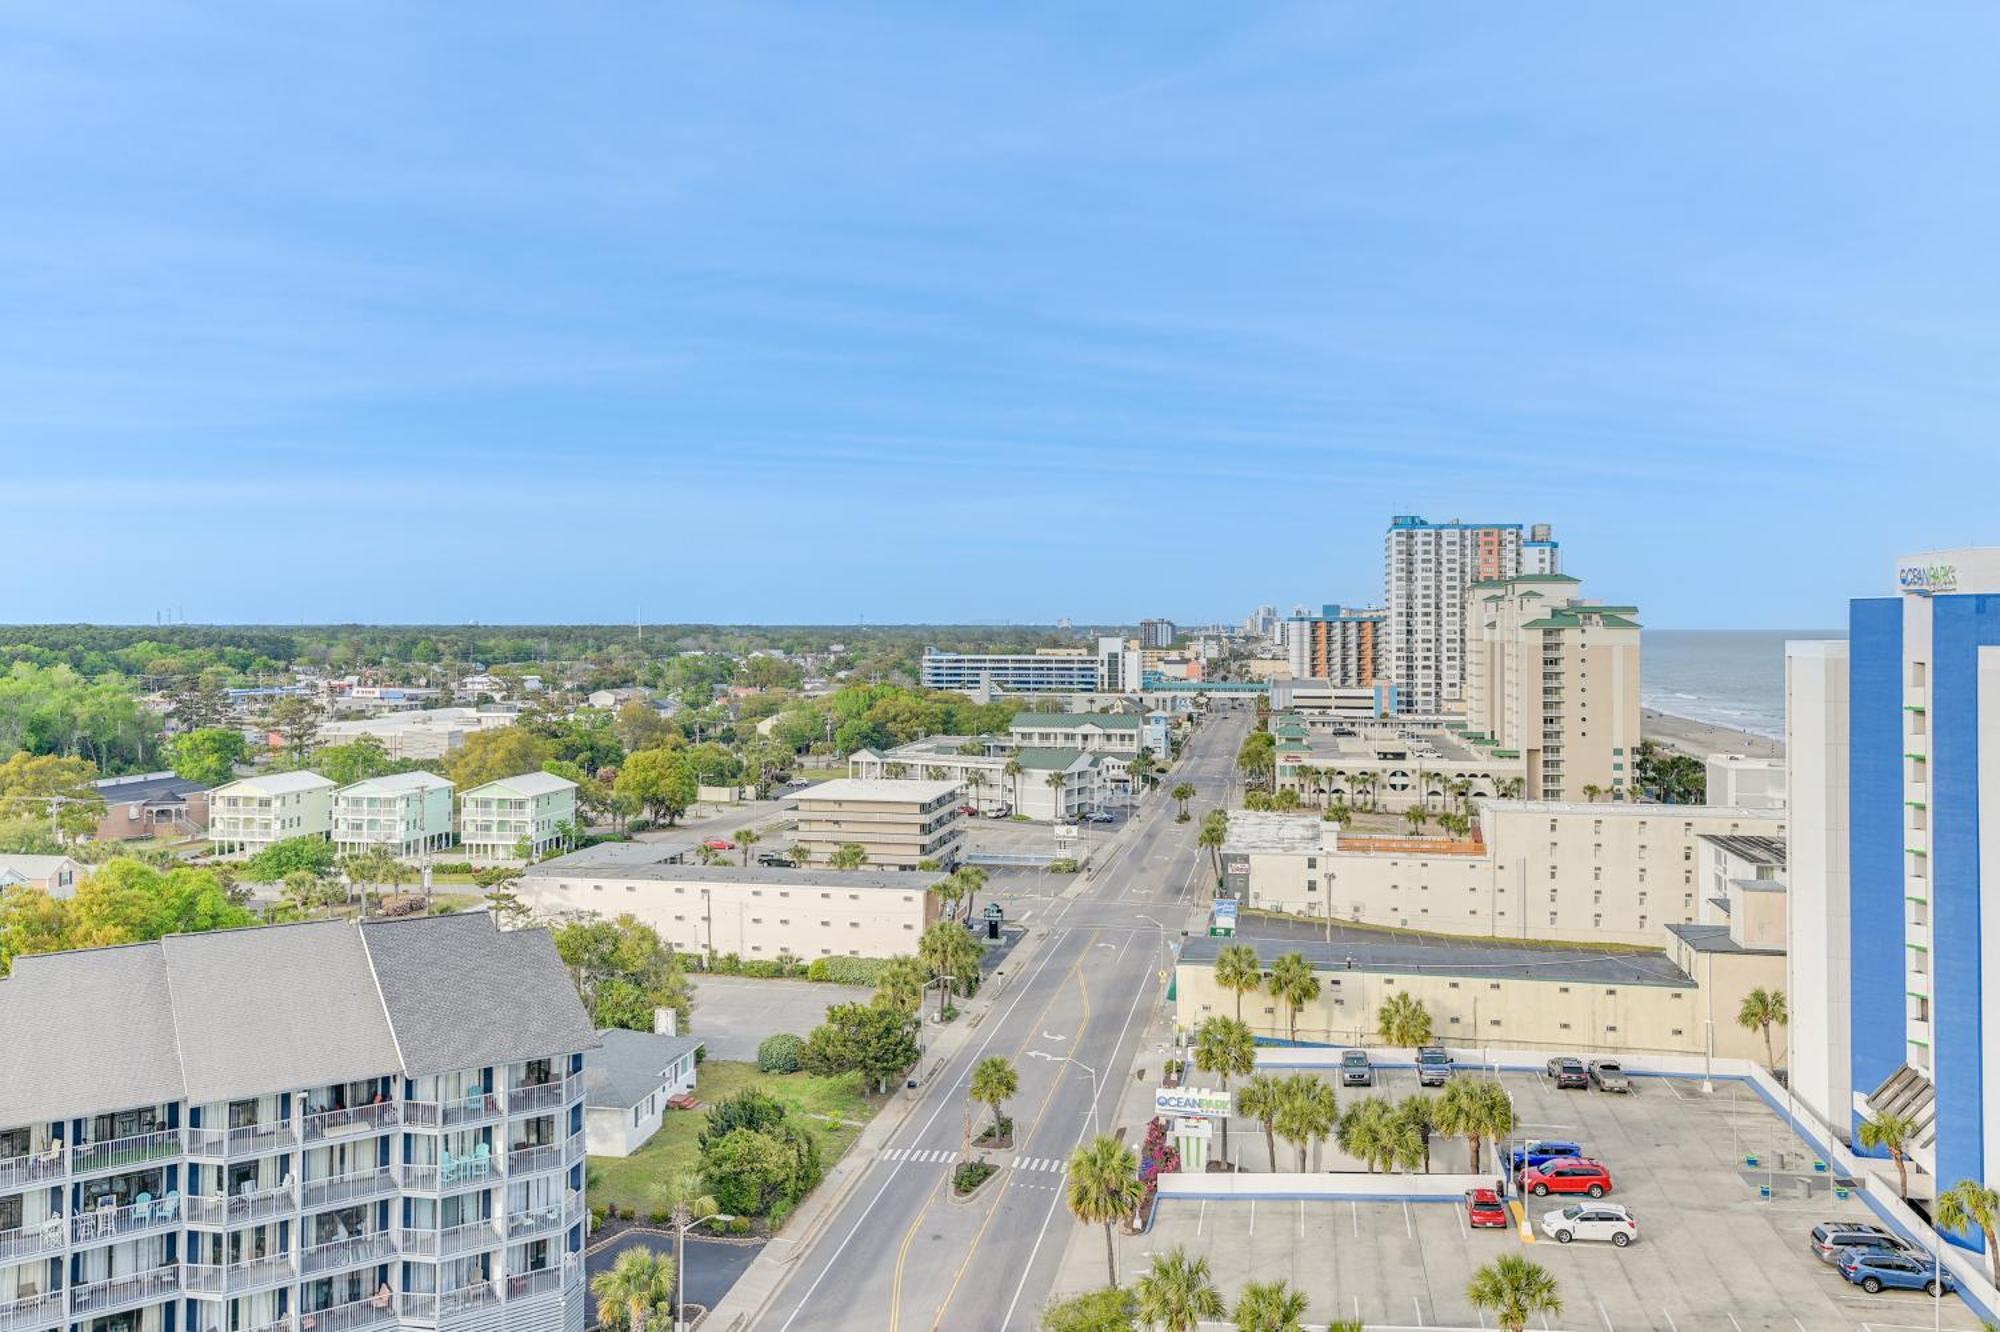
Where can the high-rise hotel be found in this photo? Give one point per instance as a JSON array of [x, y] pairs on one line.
[[1893, 742], [1427, 570]]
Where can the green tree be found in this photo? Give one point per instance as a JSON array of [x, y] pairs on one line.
[[1515, 1290], [1270, 1306], [1177, 1292], [31, 921], [1760, 1011], [638, 725], [1473, 1108], [302, 891], [125, 901], [210, 755], [1967, 1206], [1307, 1112], [750, 1171], [745, 839], [1238, 968], [1103, 1188], [847, 856], [994, 1081], [637, 1290], [52, 790], [948, 950], [1214, 832], [1888, 1131], [1420, 1114], [875, 1040], [504, 751], [900, 984], [314, 855], [1261, 1099], [357, 761], [1108, 1310], [623, 970], [1182, 792], [661, 781], [1403, 1020], [296, 720], [1294, 984], [1224, 1047]]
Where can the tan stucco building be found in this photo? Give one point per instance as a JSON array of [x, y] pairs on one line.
[[900, 823]]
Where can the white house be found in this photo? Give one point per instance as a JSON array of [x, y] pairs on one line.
[[627, 1082], [536, 807], [246, 816], [55, 875], [405, 813]]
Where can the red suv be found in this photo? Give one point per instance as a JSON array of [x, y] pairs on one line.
[[1484, 1208], [1571, 1174]]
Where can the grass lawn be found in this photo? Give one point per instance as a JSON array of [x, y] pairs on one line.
[[631, 1181]]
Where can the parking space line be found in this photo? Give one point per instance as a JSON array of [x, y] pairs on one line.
[[1302, 1218], [1418, 1306], [1354, 1212], [1669, 1084], [1202, 1219], [1602, 1313], [1672, 1326], [1409, 1228], [1732, 1321], [1253, 1207], [1464, 1231]]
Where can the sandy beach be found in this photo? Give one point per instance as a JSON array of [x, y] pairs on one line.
[[1701, 739]]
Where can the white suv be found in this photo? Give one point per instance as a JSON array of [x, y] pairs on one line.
[[1592, 1221]]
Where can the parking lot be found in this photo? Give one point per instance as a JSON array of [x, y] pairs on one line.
[[1713, 1255], [734, 1013]]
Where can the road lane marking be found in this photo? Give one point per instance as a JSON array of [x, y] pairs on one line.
[[1606, 1317]]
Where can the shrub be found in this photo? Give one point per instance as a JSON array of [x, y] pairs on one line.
[[659, 1216], [780, 1053], [739, 1225], [1063, 865], [597, 1215], [452, 867], [846, 970], [970, 1175]]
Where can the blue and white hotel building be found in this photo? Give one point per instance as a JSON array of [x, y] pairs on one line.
[[1894, 741]]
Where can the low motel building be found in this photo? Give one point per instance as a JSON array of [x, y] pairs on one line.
[[537, 809], [629, 1081], [248, 815], [316, 1127], [406, 814], [900, 822], [1389, 767], [1092, 732], [1089, 781], [754, 912]]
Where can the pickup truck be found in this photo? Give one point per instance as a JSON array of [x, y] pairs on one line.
[[1433, 1066]]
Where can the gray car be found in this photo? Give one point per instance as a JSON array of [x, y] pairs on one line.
[[1355, 1070], [1433, 1066], [1609, 1075]]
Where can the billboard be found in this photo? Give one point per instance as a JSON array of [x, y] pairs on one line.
[[1192, 1102]]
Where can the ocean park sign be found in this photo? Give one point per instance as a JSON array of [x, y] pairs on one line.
[[1925, 579], [1191, 1102]]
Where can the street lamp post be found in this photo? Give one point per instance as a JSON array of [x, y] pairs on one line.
[[1708, 1059], [683, 1219]]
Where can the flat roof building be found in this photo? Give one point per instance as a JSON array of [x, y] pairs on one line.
[[426, 734], [900, 823]]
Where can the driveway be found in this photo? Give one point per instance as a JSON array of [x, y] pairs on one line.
[[712, 1265], [733, 1013]]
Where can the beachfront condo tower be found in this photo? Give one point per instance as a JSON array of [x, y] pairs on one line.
[[1427, 570], [1894, 744]]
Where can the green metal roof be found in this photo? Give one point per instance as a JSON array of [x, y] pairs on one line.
[[1564, 618]]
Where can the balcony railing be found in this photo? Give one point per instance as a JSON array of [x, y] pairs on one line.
[[138, 1218], [99, 1297], [347, 1253], [454, 1112], [241, 1209], [239, 1278], [360, 1121], [35, 1313], [17, 1171], [525, 1284], [348, 1317], [573, 1149], [545, 1220], [551, 1095], [118, 1153], [27, 1241], [468, 1174], [349, 1187], [529, 1160], [471, 1237]]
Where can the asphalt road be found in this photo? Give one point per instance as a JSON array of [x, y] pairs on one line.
[[899, 1253], [712, 1265]]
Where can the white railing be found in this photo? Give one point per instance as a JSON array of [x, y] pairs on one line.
[[45, 1164], [102, 1296], [466, 1174], [282, 1324], [236, 1278], [347, 1188], [551, 1095], [26, 1242], [573, 1149], [240, 1209], [474, 1108], [347, 1317], [348, 1252], [35, 1313], [470, 1237], [248, 1140], [534, 1283], [521, 1225], [527, 1160], [115, 1153], [107, 1223], [352, 1123]]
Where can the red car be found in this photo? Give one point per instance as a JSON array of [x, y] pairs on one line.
[[1571, 1174], [970, 811], [719, 844], [1484, 1208]]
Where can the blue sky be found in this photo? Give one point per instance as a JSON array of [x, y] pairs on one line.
[[759, 313]]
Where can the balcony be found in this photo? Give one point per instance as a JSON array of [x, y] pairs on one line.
[[355, 1252], [573, 1149], [34, 1313], [116, 1223], [248, 1140], [426, 1308], [102, 1297], [458, 1112], [28, 1241], [472, 1237], [544, 1220], [354, 1187], [121, 1153], [19, 1171], [451, 1176], [551, 1095], [532, 1160], [359, 1122], [526, 1284], [348, 1317], [240, 1278]]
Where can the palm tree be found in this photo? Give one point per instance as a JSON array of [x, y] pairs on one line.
[[1403, 1020], [802, 854], [1261, 1099], [948, 890], [1223, 1046], [993, 1082], [895, 771], [847, 856], [745, 839], [1013, 772], [1591, 790], [1761, 1008], [1104, 1189], [1474, 1108], [1294, 984], [1177, 1293], [1214, 832], [1420, 1112], [1307, 1112], [1182, 792], [972, 880], [1508, 788], [1270, 1306], [1056, 781], [948, 951], [1970, 1205], [639, 1283], [1887, 1131], [1237, 968], [900, 984], [1417, 817], [687, 1204], [975, 778], [1370, 1132], [1514, 1289], [302, 891]]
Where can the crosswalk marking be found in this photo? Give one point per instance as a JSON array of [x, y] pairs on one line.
[[941, 1156]]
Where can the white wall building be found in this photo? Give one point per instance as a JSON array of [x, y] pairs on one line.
[[248, 815], [1816, 763], [1739, 779], [536, 807], [628, 1081], [1428, 568], [405, 813], [427, 734]]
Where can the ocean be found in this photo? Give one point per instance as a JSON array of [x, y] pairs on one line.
[[1725, 677]]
